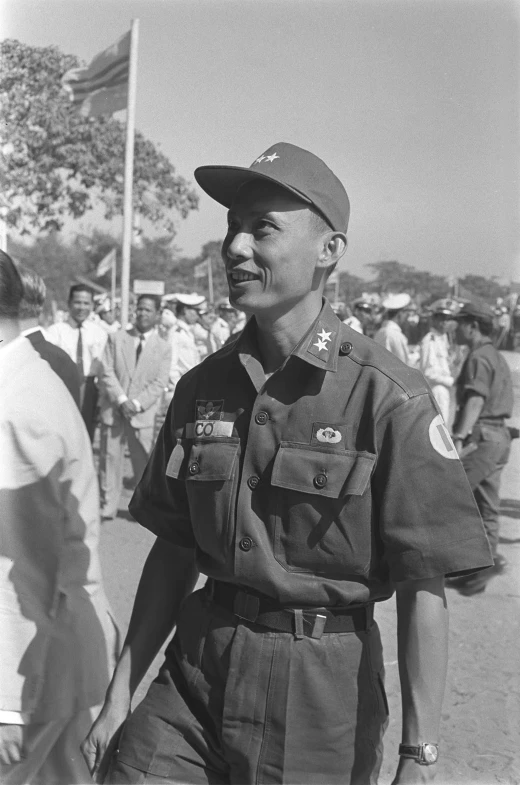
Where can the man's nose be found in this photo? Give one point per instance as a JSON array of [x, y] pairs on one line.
[[240, 246]]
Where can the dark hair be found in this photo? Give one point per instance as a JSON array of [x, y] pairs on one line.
[[180, 308], [484, 325], [34, 291], [319, 223], [154, 299], [80, 287], [11, 287]]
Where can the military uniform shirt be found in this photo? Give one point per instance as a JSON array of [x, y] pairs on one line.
[[486, 373], [319, 486]]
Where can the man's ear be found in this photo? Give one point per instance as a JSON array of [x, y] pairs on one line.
[[333, 247]]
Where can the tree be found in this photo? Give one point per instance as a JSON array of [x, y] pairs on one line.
[[392, 276], [55, 162], [487, 289]]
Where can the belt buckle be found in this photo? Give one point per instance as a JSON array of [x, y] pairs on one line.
[[320, 620]]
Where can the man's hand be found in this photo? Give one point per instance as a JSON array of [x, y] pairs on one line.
[[409, 772], [128, 409], [11, 743], [102, 740]]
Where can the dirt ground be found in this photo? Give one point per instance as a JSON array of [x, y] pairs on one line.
[[480, 731]]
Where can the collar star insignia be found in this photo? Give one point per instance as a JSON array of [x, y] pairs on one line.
[[324, 335], [271, 158], [321, 345]]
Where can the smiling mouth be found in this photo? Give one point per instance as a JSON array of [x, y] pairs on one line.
[[237, 276]]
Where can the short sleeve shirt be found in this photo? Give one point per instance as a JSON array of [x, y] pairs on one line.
[[321, 485], [486, 373]]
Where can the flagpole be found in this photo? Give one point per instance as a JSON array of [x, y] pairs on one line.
[[210, 281], [113, 287], [129, 175]]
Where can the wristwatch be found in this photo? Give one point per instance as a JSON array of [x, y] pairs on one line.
[[425, 754]]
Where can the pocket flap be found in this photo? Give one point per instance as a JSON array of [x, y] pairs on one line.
[[332, 474], [212, 460]]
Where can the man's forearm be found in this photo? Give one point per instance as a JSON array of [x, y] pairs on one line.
[[469, 415], [168, 576], [422, 635]]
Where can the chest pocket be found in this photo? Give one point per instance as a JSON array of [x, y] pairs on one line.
[[208, 467], [323, 510]]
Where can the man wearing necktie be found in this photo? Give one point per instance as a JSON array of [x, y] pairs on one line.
[[136, 365], [84, 342]]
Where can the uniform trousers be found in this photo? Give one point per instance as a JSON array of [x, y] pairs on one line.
[[237, 703], [484, 467], [114, 438], [51, 753]]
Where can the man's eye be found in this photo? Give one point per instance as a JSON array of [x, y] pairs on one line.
[[264, 226]]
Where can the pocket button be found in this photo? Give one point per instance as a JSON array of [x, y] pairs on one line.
[[261, 418], [194, 468], [253, 482], [320, 480], [245, 544]]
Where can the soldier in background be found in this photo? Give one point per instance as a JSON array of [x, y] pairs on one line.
[[434, 350], [390, 334]]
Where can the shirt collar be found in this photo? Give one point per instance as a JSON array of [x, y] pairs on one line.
[[318, 347]]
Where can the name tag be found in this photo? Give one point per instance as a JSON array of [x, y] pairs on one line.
[[208, 429]]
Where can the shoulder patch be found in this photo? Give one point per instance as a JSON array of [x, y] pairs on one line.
[[440, 439]]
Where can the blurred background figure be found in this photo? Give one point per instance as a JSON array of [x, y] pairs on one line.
[[84, 342], [205, 339], [185, 354], [390, 334], [481, 437], [361, 315], [59, 641], [136, 367], [104, 309], [434, 359], [31, 307]]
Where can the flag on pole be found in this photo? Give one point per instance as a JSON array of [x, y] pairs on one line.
[[202, 269], [102, 87], [106, 263]]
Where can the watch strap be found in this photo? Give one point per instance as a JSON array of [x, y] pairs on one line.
[[418, 752]]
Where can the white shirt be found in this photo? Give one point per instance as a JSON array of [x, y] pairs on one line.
[[66, 336], [392, 338], [220, 329], [205, 341], [354, 323], [185, 354], [434, 359], [58, 639]]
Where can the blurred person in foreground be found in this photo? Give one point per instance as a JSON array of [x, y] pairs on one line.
[[390, 334], [434, 359], [58, 641], [84, 341], [185, 354], [484, 393], [29, 315], [307, 472], [136, 366]]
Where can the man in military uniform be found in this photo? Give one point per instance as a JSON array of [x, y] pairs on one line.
[[485, 400], [390, 334], [307, 472], [434, 355]]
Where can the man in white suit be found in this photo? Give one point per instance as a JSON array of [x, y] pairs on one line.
[[136, 367], [58, 640]]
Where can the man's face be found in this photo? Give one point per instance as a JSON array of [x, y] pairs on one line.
[[108, 317], [80, 306], [463, 333], [363, 315], [270, 250], [439, 322], [190, 315], [146, 315]]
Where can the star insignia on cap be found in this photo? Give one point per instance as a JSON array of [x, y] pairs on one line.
[[322, 345], [259, 160], [271, 158]]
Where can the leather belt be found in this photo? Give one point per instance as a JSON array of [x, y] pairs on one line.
[[302, 622]]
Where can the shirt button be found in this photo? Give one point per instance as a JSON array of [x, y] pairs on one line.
[[245, 544], [320, 481], [253, 481], [345, 348], [261, 418], [194, 468]]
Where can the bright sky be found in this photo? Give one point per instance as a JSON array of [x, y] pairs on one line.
[[414, 105]]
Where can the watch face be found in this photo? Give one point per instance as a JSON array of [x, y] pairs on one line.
[[430, 753]]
